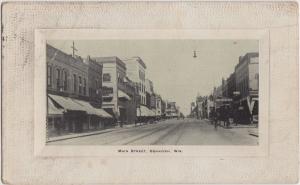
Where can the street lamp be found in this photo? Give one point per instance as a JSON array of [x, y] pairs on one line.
[[195, 53]]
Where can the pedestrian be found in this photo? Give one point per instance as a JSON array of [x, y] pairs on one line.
[[216, 117], [230, 116], [212, 116], [235, 116], [221, 116], [226, 116]]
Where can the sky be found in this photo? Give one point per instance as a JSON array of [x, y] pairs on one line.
[[175, 73]]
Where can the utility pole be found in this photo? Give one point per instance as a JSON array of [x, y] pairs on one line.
[[73, 49]]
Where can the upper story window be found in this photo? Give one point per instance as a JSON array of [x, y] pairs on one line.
[[80, 84], [140, 87], [96, 86], [49, 75], [65, 80], [75, 83], [106, 77], [84, 86], [58, 79], [119, 77], [142, 75]]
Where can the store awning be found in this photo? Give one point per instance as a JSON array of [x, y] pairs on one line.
[[151, 113], [145, 112], [52, 109], [92, 110], [122, 94], [66, 103]]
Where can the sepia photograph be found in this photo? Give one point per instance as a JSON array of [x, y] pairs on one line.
[[152, 92]]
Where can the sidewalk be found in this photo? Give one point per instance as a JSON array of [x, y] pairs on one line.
[[252, 129], [89, 133]]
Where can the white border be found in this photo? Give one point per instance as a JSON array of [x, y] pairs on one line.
[[43, 150]]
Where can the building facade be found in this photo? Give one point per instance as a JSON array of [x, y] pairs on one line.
[[171, 111], [149, 94], [231, 84], [247, 75], [163, 108], [119, 98], [66, 74], [70, 106], [129, 103], [247, 84], [224, 88], [136, 71], [94, 82], [158, 107]]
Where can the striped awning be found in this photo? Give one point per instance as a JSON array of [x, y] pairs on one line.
[[122, 94], [144, 111], [53, 110], [92, 110], [66, 103], [71, 104]]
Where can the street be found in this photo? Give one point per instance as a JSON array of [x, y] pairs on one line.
[[169, 132]]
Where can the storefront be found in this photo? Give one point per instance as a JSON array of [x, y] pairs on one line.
[[78, 115], [144, 114], [54, 120]]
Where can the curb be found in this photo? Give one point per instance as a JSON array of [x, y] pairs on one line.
[[84, 135], [253, 135]]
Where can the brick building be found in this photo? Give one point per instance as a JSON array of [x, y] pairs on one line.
[[70, 106], [247, 84]]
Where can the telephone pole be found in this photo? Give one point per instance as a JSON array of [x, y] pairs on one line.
[[73, 49]]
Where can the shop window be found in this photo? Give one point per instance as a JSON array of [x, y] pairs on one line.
[[49, 76]]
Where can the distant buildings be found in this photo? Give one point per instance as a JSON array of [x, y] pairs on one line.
[[158, 105], [149, 94], [239, 92], [171, 110]]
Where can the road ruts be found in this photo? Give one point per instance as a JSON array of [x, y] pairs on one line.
[[171, 132]]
